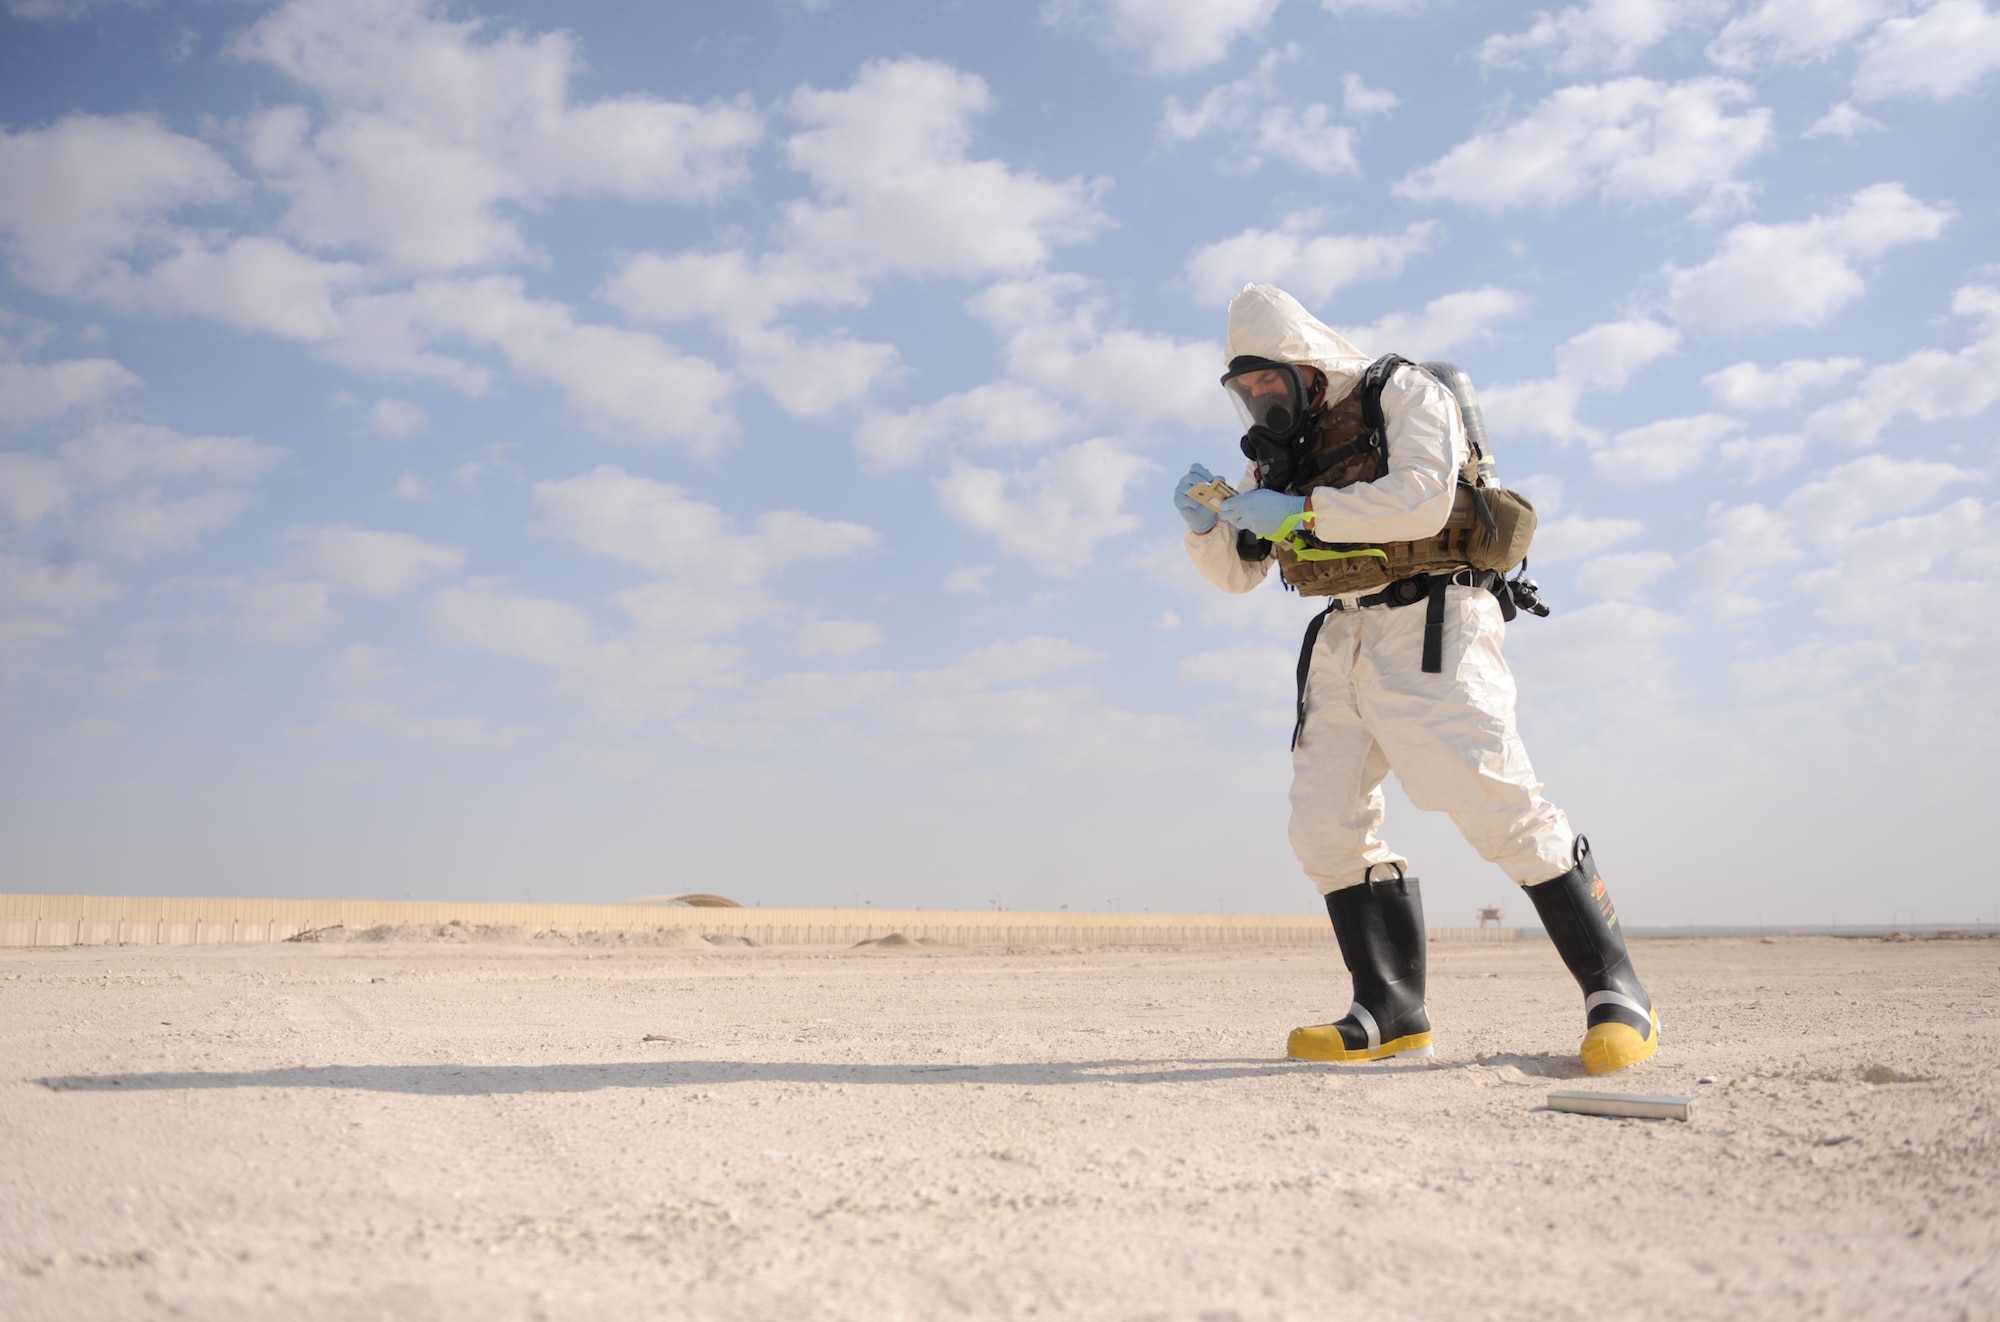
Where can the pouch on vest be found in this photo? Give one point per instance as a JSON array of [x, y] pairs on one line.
[[1505, 544]]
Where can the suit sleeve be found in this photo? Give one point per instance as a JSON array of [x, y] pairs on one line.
[[1214, 553], [1414, 498]]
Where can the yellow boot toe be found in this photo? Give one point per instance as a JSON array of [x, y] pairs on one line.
[[1609, 1047], [1322, 1042]]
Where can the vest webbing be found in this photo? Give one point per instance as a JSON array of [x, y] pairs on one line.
[[1349, 445]]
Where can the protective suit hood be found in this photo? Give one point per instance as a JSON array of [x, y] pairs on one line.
[[1266, 322]]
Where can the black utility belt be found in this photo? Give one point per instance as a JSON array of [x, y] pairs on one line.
[[1427, 588], [1422, 587]]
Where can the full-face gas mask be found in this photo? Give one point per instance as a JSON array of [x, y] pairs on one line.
[[1275, 404]]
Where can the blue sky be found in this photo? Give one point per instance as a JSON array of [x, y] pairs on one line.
[[572, 453]]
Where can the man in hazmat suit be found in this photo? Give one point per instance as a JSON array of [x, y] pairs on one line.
[[1361, 490]]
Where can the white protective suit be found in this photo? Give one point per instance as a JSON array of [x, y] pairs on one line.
[[1370, 708]]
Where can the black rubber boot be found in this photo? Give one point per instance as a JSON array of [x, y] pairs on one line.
[[1621, 1026], [1380, 927]]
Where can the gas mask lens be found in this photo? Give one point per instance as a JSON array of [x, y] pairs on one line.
[[1267, 395]]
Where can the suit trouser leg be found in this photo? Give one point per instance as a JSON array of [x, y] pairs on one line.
[[1337, 770], [1451, 736]]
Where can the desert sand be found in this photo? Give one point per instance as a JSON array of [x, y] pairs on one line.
[[407, 1130]]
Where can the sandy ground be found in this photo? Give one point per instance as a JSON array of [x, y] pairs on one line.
[[404, 1131]]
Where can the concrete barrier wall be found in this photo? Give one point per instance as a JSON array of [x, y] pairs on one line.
[[69, 920]]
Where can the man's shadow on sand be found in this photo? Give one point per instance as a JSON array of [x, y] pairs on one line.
[[447, 1080]]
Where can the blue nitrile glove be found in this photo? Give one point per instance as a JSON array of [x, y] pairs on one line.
[[1261, 511], [1200, 518]]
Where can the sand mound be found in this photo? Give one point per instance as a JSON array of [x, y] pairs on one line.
[[450, 933], [895, 941], [456, 933], [659, 937]]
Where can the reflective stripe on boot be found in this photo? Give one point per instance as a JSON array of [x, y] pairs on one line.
[[1380, 927], [1621, 1026], [1330, 1042]]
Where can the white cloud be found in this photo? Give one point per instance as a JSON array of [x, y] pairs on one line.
[[835, 637], [1930, 385], [1660, 451], [361, 666], [709, 581], [411, 486], [1056, 342], [487, 616], [1358, 99], [1025, 689], [1264, 673], [1795, 31], [739, 292], [256, 283], [145, 524], [656, 670], [1230, 105], [88, 196], [662, 529], [398, 417], [1633, 141], [1766, 276], [1943, 51], [39, 604], [898, 192], [32, 487], [626, 383], [1312, 266], [997, 415], [1576, 537], [1447, 322], [1864, 558], [367, 561], [91, 186], [467, 731], [1750, 388], [812, 377], [124, 472], [1867, 490], [1622, 576], [64, 590], [1600, 360], [34, 393], [1601, 34], [1304, 138], [1173, 36], [969, 580], [1754, 459], [1054, 514], [276, 610], [62, 10], [1842, 121], [429, 128], [1811, 668], [1744, 540], [743, 296], [114, 454]]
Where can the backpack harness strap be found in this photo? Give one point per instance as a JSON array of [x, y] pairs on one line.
[[1369, 391], [1427, 588]]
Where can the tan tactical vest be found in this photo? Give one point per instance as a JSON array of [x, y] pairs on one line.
[[1325, 569]]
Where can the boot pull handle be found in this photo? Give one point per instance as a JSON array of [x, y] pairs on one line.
[[1368, 878]]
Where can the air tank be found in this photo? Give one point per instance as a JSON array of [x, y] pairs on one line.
[[1460, 385]]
